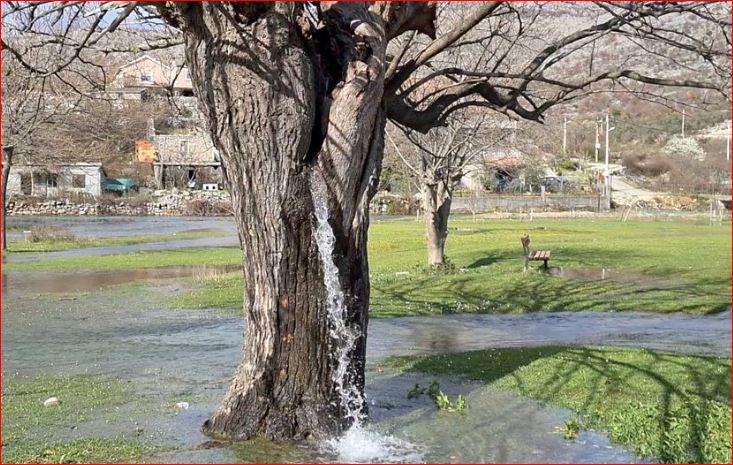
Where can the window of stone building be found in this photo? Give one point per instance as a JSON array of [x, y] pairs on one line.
[[79, 181], [146, 76], [52, 180], [26, 184]]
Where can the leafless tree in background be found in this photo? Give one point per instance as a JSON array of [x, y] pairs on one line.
[[296, 97], [437, 161], [30, 102]]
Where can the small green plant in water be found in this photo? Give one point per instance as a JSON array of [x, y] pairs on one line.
[[441, 399], [434, 389], [572, 427], [415, 392], [443, 403], [431, 390], [461, 403]]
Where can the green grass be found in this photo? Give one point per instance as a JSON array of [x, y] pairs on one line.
[[669, 266], [86, 450], [668, 407], [30, 430], [222, 292], [80, 243], [148, 259]]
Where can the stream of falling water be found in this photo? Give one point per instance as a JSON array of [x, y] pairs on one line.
[[342, 337], [357, 444]]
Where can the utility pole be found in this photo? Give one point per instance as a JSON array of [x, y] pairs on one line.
[[608, 131], [607, 171], [598, 142], [683, 123], [565, 135]]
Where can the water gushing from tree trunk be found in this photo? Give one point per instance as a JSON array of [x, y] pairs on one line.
[[357, 445], [343, 337]]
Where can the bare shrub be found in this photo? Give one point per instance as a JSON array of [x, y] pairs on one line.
[[203, 207], [49, 234], [646, 165], [213, 275]]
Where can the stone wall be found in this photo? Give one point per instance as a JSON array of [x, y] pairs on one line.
[[159, 203], [207, 203], [515, 203]]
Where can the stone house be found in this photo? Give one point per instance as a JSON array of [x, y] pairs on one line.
[[186, 158], [181, 157], [504, 160], [55, 180]]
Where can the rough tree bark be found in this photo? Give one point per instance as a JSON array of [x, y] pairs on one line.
[[296, 114], [436, 200], [7, 163]]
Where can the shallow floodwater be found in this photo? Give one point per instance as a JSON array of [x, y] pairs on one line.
[[118, 226], [89, 281], [639, 280], [171, 356], [122, 226]]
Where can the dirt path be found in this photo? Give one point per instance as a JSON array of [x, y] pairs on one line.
[[624, 192]]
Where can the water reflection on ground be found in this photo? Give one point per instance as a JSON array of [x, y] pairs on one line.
[[89, 281]]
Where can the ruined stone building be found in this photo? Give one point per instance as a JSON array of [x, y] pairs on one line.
[[181, 158]]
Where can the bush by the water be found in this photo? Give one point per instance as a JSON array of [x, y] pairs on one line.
[[204, 207], [48, 234]]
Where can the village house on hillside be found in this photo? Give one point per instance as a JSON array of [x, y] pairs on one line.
[[146, 75], [181, 155]]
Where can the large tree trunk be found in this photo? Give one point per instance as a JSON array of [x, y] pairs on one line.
[[7, 163], [296, 115], [436, 199]]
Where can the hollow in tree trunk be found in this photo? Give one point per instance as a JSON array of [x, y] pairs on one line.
[[296, 115], [436, 199]]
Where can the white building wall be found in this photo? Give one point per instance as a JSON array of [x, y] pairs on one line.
[[43, 187], [13, 182]]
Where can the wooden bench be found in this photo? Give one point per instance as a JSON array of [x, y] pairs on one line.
[[537, 255]]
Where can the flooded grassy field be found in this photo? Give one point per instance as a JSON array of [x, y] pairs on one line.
[[123, 361]]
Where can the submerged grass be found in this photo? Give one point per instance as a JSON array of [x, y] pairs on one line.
[[31, 432], [673, 408], [68, 242], [671, 266]]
